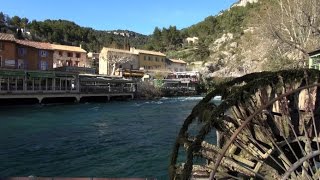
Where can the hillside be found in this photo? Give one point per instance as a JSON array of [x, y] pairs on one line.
[[69, 33], [222, 41], [254, 36], [251, 36]]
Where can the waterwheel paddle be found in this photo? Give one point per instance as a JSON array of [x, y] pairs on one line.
[[267, 128]]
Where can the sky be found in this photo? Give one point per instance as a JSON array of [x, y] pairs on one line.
[[141, 16]]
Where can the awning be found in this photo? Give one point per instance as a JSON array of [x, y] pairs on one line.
[[65, 75], [11, 73], [133, 74], [41, 74]]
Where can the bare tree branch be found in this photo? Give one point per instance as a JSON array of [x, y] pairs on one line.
[[116, 58]]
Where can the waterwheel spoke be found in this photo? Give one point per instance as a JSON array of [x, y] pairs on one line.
[[311, 100], [282, 143], [289, 145]]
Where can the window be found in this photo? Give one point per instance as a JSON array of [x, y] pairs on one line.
[[43, 53], [9, 63], [22, 51], [149, 58], [131, 66], [0, 61], [69, 54], [162, 59], [60, 53], [145, 57], [120, 66], [78, 55], [43, 65], [1, 46], [20, 64]]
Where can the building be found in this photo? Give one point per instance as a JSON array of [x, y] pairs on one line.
[[192, 40], [93, 60], [150, 60], [69, 56], [32, 55], [23, 54], [7, 51], [176, 65], [111, 60], [314, 59]]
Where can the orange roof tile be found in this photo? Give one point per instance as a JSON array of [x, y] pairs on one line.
[[68, 48], [140, 51], [7, 37], [34, 44], [177, 61]]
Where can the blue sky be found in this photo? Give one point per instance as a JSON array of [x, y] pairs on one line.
[[141, 16]]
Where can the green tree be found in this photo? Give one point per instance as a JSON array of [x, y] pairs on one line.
[[24, 22], [202, 51], [15, 21]]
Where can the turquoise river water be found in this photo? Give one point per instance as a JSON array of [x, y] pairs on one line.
[[114, 139]]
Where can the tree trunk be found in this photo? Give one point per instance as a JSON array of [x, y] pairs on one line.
[[113, 69]]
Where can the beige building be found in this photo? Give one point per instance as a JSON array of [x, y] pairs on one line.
[[69, 56], [176, 65], [111, 60], [150, 60]]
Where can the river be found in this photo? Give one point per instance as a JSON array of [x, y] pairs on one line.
[[114, 139]]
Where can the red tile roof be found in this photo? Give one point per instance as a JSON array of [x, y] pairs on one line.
[[34, 44], [7, 37], [68, 48], [40, 45]]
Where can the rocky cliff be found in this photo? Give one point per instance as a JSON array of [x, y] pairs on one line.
[[258, 42]]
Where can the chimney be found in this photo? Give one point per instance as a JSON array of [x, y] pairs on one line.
[[81, 46]]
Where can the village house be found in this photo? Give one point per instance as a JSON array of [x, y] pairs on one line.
[[7, 51], [112, 60], [176, 65], [93, 60], [192, 40], [22, 54], [33, 55], [69, 56], [150, 60]]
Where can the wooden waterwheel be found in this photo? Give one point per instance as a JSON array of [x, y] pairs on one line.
[[267, 127]]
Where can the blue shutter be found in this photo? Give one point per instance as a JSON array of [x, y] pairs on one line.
[[47, 65]]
